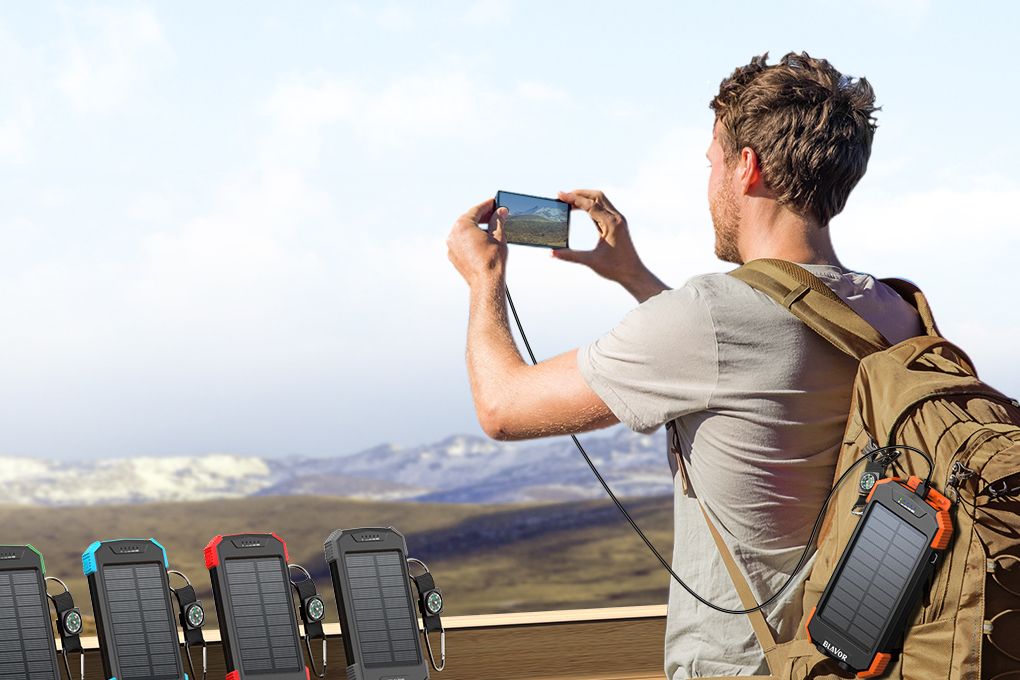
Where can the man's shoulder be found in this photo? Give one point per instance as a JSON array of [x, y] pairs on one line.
[[711, 301], [717, 291], [733, 303], [701, 287], [715, 283], [722, 288]]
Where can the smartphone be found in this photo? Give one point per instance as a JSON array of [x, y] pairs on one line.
[[535, 221]]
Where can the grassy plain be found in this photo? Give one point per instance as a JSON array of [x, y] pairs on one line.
[[535, 231], [486, 558]]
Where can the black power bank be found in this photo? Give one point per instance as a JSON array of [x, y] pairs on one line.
[[377, 610], [134, 613], [251, 587], [874, 590], [27, 647]]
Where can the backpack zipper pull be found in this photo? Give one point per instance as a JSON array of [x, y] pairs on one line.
[[958, 474]]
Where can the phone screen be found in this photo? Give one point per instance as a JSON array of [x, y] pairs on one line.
[[535, 221]]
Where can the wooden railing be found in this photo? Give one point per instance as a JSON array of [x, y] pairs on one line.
[[623, 643]]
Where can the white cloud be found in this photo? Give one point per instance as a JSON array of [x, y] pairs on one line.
[[274, 237], [23, 76], [912, 10], [225, 268], [110, 55], [487, 12], [928, 226], [407, 109], [541, 92], [394, 17], [15, 129], [413, 110]]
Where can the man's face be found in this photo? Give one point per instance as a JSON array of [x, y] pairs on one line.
[[722, 202]]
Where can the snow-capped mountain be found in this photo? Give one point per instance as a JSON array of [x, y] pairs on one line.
[[459, 469], [555, 214], [134, 480]]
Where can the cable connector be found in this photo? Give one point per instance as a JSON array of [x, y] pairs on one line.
[[922, 489], [885, 456]]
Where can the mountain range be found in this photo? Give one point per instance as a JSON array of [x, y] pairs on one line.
[[458, 469], [554, 214]]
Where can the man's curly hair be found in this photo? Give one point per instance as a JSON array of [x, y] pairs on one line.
[[810, 125]]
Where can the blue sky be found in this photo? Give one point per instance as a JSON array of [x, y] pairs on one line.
[[223, 224]]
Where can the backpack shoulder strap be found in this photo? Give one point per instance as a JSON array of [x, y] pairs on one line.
[[912, 294], [814, 303], [759, 625]]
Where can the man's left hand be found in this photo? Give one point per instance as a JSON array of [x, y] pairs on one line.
[[479, 255]]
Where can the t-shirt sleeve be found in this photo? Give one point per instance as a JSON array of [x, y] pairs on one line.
[[659, 363]]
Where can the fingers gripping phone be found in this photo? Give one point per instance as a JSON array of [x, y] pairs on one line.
[[535, 221]]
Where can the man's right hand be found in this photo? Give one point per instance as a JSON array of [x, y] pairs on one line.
[[614, 256]]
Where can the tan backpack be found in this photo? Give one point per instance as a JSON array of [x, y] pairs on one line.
[[923, 392]]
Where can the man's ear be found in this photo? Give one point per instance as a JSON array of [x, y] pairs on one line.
[[748, 170]]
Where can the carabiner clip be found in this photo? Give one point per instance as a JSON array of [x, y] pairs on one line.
[[205, 659], [192, 616], [430, 619], [311, 658], [442, 649], [69, 625], [313, 610], [67, 664]]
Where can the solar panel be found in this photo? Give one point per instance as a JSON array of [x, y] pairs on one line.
[[144, 634], [27, 649], [263, 614], [384, 613], [377, 612], [134, 616], [874, 576], [251, 586], [878, 580]]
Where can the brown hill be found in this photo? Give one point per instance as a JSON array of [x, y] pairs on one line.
[[486, 558]]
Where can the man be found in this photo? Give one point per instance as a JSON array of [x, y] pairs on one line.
[[759, 401]]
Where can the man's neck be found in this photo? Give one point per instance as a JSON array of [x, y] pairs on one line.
[[777, 232]]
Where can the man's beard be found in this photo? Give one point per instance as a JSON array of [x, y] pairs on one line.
[[725, 219]]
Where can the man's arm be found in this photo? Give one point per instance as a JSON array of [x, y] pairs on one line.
[[513, 399]]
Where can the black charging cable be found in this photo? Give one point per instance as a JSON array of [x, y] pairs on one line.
[[870, 455]]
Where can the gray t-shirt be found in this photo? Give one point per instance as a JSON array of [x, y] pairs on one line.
[[761, 403]]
